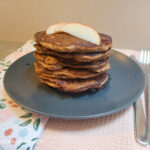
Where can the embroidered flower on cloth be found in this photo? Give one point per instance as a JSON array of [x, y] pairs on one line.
[[13, 141], [8, 132], [20, 129]]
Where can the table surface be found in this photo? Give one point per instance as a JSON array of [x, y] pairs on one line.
[[8, 47]]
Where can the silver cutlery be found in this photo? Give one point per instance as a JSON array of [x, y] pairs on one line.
[[145, 62], [140, 120]]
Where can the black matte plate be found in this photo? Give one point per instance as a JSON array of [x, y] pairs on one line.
[[126, 85]]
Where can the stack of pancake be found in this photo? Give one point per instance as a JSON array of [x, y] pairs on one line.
[[71, 64]]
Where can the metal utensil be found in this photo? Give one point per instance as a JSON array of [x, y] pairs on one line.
[[140, 120], [145, 61]]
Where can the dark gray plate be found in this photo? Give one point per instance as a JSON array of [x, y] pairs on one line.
[[126, 85]]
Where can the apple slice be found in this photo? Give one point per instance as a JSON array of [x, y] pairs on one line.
[[76, 29]]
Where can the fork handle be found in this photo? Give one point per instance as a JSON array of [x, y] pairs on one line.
[[140, 120], [140, 123]]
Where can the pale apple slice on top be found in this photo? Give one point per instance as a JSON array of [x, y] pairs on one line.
[[76, 29]]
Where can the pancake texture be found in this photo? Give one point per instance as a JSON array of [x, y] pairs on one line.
[[68, 73], [71, 64], [55, 63], [76, 86], [77, 57]]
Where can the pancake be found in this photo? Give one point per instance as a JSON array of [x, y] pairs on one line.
[[68, 73], [64, 42], [76, 86], [58, 67], [55, 63], [78, 57], [48, 62]]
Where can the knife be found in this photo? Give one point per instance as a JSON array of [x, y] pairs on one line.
[[140, 123]]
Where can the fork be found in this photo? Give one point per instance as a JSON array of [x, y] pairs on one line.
[[140, 122], [145, 62]]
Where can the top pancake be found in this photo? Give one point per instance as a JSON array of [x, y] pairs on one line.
[[64, 42]]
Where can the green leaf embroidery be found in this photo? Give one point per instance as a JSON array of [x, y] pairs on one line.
[[33, 146], [26, 115], [8, 62], [34, 139], [23, 143], [36, 124], [25, 123], [2, 106], [7, 65], [28, 148], [5, 69], [1, 100]]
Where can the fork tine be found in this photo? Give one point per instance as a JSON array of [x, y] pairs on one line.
[[144, 58], [148, 57], [141, 56]]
